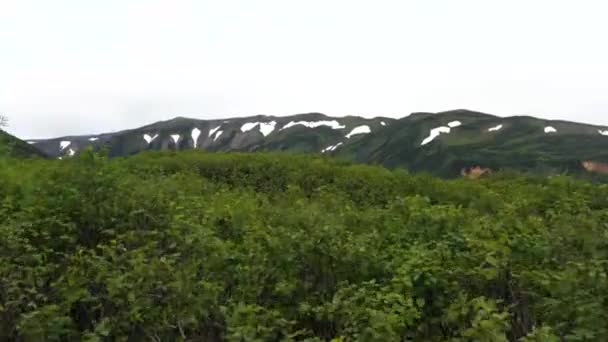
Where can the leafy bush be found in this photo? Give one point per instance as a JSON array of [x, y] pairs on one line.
[[274, 247]]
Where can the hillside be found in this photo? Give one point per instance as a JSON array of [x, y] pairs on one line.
[[198, 246], [12, 146], [308, 133], [487, 141], [444, 144]]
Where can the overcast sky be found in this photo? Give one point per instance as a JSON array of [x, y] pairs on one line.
[[84, 66]]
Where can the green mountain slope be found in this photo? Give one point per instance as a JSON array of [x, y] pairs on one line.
[[308, 133], [481, 140], [14, 147], [462, 139]]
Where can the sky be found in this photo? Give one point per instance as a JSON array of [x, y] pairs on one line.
[[85, 67]]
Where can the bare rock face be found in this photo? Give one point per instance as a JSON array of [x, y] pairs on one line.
[[474, 172], [593, 166]]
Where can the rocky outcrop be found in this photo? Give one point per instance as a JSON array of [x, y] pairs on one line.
[[593, 166], [474, 172]]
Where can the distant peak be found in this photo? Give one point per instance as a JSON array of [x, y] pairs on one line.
[[180, 118], [465, 111]]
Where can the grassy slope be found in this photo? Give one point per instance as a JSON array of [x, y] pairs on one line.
[[10, 145], [521, 144]]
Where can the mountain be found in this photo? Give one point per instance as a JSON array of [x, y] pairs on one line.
[[10, 145], [306, 133], [462, 139], [446, 143]]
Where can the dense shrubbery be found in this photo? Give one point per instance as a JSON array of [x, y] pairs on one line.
[[266, 247]]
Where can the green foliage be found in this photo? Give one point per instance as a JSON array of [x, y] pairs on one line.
[[13, 147], [273, 247]]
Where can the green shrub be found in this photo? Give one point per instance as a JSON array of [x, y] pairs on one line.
[[275, 247]]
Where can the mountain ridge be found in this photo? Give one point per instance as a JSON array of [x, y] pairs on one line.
[[442, 143]]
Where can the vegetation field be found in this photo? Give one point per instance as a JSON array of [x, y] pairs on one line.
[[193, 246], [12, 146]]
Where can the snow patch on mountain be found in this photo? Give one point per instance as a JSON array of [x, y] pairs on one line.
[[149, 138], [93, 139], [383, 123], [314, 124], [550, 129], [495, 128], [31, 142], [195, 134], [217, 135], [268, 127], [264, 127], [249, 126], [214, 130], [331, 147], [454, 124], [363, 129], [602, 132], [434, 133], [64, 144], [175, 138], [71, 152]]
